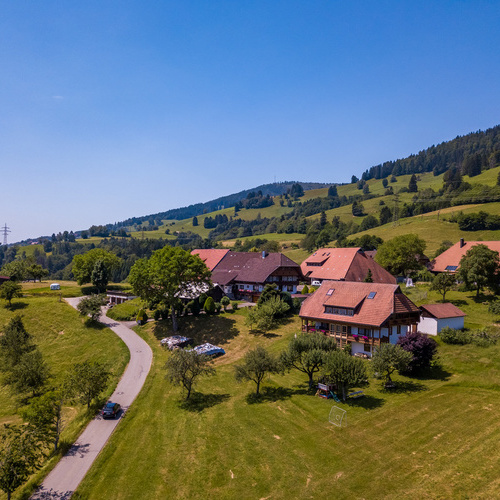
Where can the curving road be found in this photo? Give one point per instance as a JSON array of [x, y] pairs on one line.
[[69, 472]]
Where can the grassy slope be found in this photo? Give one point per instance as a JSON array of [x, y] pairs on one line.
[[59, 333], [422, 442]]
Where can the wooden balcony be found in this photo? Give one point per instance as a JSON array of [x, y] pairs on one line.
[[343, 338]]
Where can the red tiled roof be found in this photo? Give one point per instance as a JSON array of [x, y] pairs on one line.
[[349, 264], [440, 311], [452, 256], [249, 267], [387, 300], [211, 257]]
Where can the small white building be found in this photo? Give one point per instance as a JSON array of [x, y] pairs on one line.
[[55, 286], [434, 317]]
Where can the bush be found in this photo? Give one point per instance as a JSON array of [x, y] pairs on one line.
[[451, 336], [142, 317], [494, 307], [234, 305], [157, 315], [305, 290], [424, 275], [225, 302], [422, 348], [218, 307], [209, 306]]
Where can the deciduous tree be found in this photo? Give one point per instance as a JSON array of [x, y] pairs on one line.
[[91, 306], [87, 381], [256, 364], [400, 254], [14, 343], [10, 290], [306, 353], [184, 367], [344, 371], [30, 374], [100, 276], [160, 279], [479, 268], [389, 358], [84, 264], [442, 283], [422, 349]]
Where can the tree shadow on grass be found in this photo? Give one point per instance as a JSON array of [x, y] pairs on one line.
[[367, 402], [435, 372], [457, 302], [16, 305], [217, 330], [406, 386], [272, 394], [95, 325], [267, 335], [199, 401]]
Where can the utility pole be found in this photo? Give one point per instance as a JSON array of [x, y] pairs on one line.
[[5, 231]]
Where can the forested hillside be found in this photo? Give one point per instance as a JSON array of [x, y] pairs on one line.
[[456, 185]]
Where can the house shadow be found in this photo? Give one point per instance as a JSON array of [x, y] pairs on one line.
[[217, 330], [458, 302], [199, 401]]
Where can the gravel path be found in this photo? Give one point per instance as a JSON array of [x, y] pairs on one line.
[[69, 472]]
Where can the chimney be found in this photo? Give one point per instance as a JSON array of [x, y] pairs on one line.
[[263, 254], [462, 243]]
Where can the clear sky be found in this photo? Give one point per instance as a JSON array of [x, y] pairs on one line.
[[113, 109]]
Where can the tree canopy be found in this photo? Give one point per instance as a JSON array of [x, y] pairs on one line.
[[160, 279], [84, 264], [389, 358], [399, 255], [479, 268], [256, 364]]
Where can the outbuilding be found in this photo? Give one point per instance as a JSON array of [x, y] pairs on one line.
[[434, 317], [55, 286]]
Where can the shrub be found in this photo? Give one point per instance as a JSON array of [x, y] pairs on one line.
[[305, 289], [209, 306], [218, 307], [424, 275], [494, 307], [234, 305], [225, 302], [451, 336], [422, 348], [157, 315], [142, 317]]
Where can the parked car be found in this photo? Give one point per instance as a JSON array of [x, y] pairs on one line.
[[111, 410]]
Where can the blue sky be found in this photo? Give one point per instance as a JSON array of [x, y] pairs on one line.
[[118, 109]]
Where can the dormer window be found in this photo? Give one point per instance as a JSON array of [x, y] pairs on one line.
[[342, 311]]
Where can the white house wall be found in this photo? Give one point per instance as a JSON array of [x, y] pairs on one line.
[[432, 326]]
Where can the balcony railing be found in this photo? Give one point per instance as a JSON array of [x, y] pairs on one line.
[[348, 337]]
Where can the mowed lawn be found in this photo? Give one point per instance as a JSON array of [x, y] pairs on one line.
[[61, 336], [433, 438]]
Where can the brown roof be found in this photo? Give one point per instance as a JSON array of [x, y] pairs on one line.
[[211, 257], [249, 267], [440, 311], [449, 260], [387, 300], [348, 264]]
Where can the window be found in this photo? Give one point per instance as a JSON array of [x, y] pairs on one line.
[[451, 268], [340, 311], [367, 348], [371, 295], [330, 291]]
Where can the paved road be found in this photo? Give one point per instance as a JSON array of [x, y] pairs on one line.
[[69, 472]]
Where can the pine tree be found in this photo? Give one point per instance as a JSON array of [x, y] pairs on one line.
[[412, 185]]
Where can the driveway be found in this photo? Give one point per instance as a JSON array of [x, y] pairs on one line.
[[69, 472]]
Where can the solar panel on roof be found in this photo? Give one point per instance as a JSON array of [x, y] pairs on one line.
[[371, 295], [451, 268], [330, 291]]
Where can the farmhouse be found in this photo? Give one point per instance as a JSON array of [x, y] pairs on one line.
[[449, 260], [243, 275], [363, 315], [343, 264], [434, 317]]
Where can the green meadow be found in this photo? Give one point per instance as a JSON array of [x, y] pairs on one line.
[[433, 437]]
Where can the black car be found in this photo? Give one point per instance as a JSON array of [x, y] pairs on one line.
[[111, 410]]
